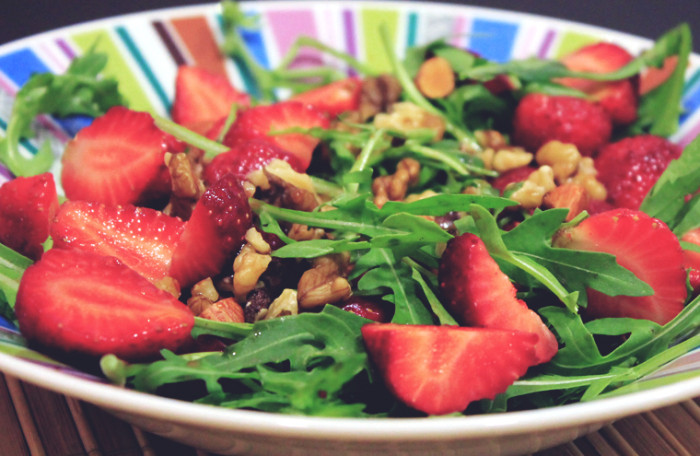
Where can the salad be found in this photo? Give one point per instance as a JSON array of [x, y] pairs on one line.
[[456, 236]]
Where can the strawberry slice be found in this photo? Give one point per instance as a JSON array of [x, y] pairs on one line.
[[618, 98], [27, 205], [214, 232], [202, 98], [259, 121], [645, 246], [478, 293], [512, 176], [629, 168], [691, 259], [441, 369], [82, 302], [245, 157], [144, 239], [542, 118], [334, 98], [115, 159]]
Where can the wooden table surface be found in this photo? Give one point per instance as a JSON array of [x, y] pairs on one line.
[[35, 421]]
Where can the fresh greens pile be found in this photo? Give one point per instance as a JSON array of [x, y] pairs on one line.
[[315, 363]]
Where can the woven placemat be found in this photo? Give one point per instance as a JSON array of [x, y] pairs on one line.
[[38, 422]]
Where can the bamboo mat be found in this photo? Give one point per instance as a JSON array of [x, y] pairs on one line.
[[35, 421]]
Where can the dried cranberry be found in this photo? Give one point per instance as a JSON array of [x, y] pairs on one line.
[[367, 308]]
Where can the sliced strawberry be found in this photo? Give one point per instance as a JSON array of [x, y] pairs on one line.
[[691, 259], [478, 293], [258, 122], [653, 77], [541, 118], [512, 176], [115, 159], [570, 196], [645, 246], [334, 98], [629, 168], [27, 205], [441, 369], [214, 232], [202, 98], [82, 302], [144, 239], [618, 98], [245, 157]]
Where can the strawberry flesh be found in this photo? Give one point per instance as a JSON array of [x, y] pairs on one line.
[[92, 304], [27, 205], [629, 168], [214, 232], [115, 159], [442, 369], [144, 239], [258, 122], [542, 118], [202, 98], [478, 293], [334, 98], [645, 246], [691, 259]]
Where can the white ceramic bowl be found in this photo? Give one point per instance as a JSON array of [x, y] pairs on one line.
[[145, 50]]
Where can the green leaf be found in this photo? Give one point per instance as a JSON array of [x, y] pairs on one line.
[[444, 203]]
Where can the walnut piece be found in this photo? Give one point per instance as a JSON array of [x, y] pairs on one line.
[[394, 186], [324, 283], [248, 266]]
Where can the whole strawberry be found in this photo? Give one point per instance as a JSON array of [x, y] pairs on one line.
[[541, 118], [629, 168]]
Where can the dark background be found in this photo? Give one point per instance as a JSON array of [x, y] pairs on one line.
[[647, 18]]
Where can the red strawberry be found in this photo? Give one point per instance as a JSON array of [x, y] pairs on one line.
[[258, 122], [691, 259], [144, 239], [512, 176], [77, 301], [541, 118], [441, 369], [245, 157], [645, 246], [334, 98], [115, 159], [202, 98], [27, 205], [618, 98], [629, 168], [214, 232], [478, 293]]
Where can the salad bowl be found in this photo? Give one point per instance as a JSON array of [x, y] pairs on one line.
[[144, 52]]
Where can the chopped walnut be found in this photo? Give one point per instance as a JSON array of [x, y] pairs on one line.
[[377, 95], [304, 233], [226, 310], [324, 283], [406, 117], [586, 176], [490, 139], [255, 239], [169, 285], [534, 188], [204, 294], [297, 190], [186, 184], [285, 304], [248, 266], [564, 159], [510, 157], [395, 186]]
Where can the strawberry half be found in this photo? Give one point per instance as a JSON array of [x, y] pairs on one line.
[[441, 369], [92, 304], [259, 121], [144, 239], [202, 98], [27, 205], [334, 98], [629, 168], [478, 293], [542, 118], [245, 157], [645, 246], [214, 232], [115, 159], [618, 98]]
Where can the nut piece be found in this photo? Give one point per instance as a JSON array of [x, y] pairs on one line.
[[169, 285], [490, 139], [407, 117], [203, 295], [255, 239], [562, 157], [377, 95], [186, 185], [435, 78], [248, 266], [534, 188], [323, 284], [285, 304], [304, 232], [297, 189], [394, 186], [226, 310], [586, 176], [570, 196], [510, 157]]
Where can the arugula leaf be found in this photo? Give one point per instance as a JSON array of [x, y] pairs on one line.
[[78, 91], [666, 200], [12, 266]]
